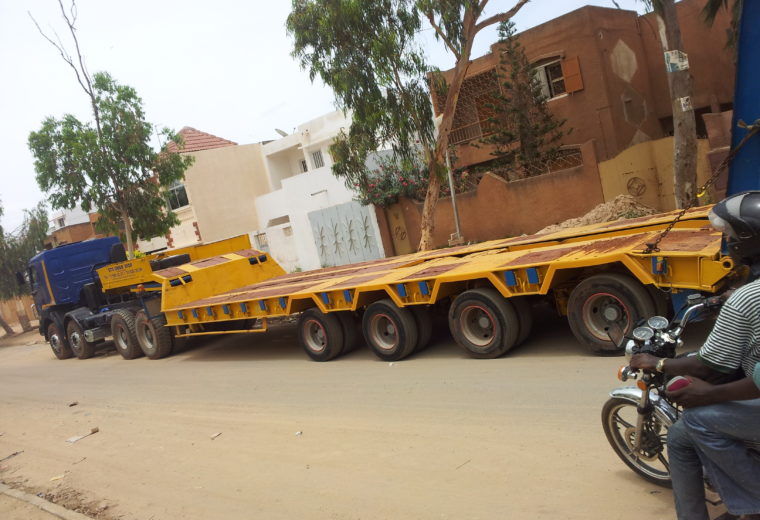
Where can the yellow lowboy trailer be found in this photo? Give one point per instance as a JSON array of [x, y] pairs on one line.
[[596, 275]]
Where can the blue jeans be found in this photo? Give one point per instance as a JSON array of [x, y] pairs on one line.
[[711, 437]]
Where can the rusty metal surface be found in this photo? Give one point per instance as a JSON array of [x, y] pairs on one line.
[[169, 272], [248, 253], [684, 241], [431, 271], [208, 262]]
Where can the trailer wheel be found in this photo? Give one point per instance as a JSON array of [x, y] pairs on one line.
[[351, 333], [58, 342], [153, 335], [81, 348], [390, 331], [320, 334], [124, 331], [424, 322], [605, 300], [484, 323], [524, 316]]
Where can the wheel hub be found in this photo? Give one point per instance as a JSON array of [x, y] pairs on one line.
[[477, 326], [651, 446]]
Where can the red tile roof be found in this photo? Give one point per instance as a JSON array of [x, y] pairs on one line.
[[195, 141]]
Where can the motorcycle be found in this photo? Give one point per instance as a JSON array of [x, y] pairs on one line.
[[636, 419]]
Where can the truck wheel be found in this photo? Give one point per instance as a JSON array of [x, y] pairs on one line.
[[320, 334], [81, 348], [351, 333], [424, 322], [390, 331], [603, 301], [484, 323], [124, 331], [153, 336], [524, 316], [58, 342]]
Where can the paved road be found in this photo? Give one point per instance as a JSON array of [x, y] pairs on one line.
[[436, 436]]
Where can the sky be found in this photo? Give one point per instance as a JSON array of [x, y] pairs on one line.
[[222, 67]]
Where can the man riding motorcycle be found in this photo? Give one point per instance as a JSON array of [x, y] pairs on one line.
[[721, 419]]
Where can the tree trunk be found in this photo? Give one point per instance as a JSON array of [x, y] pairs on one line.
[[447, 118], [427, 223], [128, 233], [8, 330], [684, 123]]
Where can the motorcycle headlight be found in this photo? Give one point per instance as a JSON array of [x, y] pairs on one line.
[[629, 346]]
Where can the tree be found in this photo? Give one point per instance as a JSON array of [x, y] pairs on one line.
[[107, 165], [710, 11], [523, 130], [368, 53], [684, 122], [17, 249]]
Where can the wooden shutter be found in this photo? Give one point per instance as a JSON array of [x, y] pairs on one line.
[[571, 71]]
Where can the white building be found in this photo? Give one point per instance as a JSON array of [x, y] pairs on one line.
[[310, 218]]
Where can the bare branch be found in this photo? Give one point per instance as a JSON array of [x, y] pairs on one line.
[[431, 19], [501, 17]]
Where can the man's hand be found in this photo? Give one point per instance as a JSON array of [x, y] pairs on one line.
[[644, 362], [697, 393]]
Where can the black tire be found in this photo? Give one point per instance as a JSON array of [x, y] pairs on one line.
[[524, 316], [424, 321], [484, 323], [351, 332], [81, 348], [124, 331], [619, 422], [58, 342], [320, 334], [153, 336], [605, 300], [390, 331]]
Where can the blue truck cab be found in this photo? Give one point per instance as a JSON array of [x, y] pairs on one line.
[[66, 288]]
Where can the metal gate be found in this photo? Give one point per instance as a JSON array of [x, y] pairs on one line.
[[344, 234]]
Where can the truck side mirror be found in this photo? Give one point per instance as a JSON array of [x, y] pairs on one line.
[[20, 280]]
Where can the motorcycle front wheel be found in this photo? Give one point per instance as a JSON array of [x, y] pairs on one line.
[[650, 460]]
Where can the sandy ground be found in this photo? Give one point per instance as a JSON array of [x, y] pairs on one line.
[[436, 436]]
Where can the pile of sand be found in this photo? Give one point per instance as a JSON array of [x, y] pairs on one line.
[[623, 206]]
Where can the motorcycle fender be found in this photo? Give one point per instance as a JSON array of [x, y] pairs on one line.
[[665, 412]]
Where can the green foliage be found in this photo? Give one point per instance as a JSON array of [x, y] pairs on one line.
[[109, 165], [521, 127], [366, 51], [383, 185], [16, 250], [710, 11]]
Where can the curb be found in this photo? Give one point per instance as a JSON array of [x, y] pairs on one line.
[[49, 507]]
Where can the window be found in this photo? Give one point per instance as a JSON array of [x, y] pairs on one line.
[[559, 76], [261, 241], [549, 74], [304, 166], [60, 222], [177, 196], [316, 157]]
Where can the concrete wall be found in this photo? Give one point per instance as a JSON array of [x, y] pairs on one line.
[[645, 171], [499, 209]]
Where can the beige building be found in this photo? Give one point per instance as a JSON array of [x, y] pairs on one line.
[[216, 200]]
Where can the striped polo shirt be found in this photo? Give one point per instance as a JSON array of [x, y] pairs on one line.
[[734, 341]]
